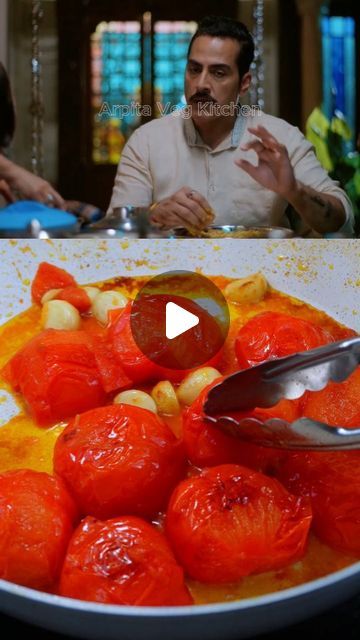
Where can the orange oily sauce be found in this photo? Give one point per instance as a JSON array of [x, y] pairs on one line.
[[25, 445]]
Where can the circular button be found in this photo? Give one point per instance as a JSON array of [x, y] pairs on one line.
[[180, 320]]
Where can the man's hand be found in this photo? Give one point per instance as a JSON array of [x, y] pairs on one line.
[[186, 208], [274, 170], [321, 211], [32, 187]]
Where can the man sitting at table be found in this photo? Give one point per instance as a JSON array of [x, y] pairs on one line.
[[216, 155]]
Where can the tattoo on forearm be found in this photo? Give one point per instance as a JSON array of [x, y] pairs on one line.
[[324, 204]]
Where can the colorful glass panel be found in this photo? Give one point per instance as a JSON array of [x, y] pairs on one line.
[[121, 58], [115, 87], [339, 67], [171, 42]]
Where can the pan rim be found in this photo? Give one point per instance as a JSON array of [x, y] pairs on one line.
[[83, 606]]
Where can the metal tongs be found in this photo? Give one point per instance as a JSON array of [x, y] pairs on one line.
[[266, 384]]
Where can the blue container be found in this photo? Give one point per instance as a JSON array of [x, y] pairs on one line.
[[16, 218]]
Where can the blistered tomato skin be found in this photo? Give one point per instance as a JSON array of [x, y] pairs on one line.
[[37, 516], [272, 335], [338, 404], [75, 296], [125, 350], [63, 378], [230, 522], [47, 277], [207, 446], [122, 561], [332, 481], [119, 460], [133, 361]]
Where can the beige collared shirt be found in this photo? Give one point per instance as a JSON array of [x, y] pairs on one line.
[[167, 154]]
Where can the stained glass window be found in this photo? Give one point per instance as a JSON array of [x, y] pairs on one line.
[[123, 55], [116, 87], [339, 67], [171, 42]]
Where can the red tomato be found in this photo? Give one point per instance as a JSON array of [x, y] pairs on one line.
[[274, 335], [36, 521], [338, 332], [187, 351], [122, 561], [135, 364], [207, 446], [338, 404], [75, 296], [230, 522], [119, 460], [113, 376], [332, 481], [47, 277], [57, 374]]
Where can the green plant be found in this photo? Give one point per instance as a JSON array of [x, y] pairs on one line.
[[330, 140]]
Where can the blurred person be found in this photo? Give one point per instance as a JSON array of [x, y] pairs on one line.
[[13, 178], [218, 156]]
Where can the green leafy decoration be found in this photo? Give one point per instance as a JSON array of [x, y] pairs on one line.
[[330, 139]]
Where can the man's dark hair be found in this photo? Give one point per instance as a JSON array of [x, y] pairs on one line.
[[223, 27], [7, 110]]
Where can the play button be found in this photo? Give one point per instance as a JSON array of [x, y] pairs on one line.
[[180, 320]]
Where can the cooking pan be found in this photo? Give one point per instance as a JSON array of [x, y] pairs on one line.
[[322, 273]]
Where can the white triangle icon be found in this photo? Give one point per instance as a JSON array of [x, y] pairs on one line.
[[178, 320]]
